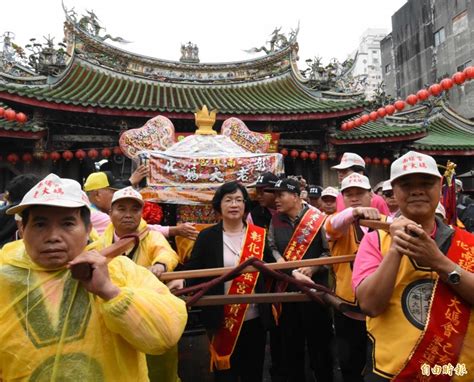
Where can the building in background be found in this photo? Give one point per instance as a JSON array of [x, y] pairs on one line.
[[430, 40]]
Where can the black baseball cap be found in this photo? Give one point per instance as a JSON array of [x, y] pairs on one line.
[[314, 191], [265, 180], [287, 184]]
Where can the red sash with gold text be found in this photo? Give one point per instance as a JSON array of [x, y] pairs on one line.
[[442, 340], [223, 342], [300, 241]]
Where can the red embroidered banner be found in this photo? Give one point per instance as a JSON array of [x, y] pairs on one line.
[[223, 342]]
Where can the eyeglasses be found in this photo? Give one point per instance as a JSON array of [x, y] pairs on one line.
[[232, 201], [387, 194]]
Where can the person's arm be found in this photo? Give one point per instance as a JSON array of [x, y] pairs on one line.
[[187, 230], [337, 224], [271, 243], [163, 257], [138, 175], [144, 313]]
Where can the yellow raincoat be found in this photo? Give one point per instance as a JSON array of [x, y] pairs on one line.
[[52, 329], [153, 248]]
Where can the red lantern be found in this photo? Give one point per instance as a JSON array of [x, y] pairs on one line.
[[435, 89], [367, 160], [21, 117], [423, 94], [283, 152], [468, 72], [304, 155], [373, 116], [447, 83], [323, 156], [357, 122], [93, 153], [313, 155], [13, 158], [350, 125], [376, 161], [117, 150], [80, 154], [365, 118], [382, 112], [459, 78], [106, 153], [385, 162], [10, 115], [294, 154], [45, 156], [27, 158], [68, 155], [411, 99], [344, 126], [55, 156], [399, 105], [390, 109], [2, 111]]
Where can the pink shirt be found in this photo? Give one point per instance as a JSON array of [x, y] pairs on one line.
[[376, 202], [341, 221]]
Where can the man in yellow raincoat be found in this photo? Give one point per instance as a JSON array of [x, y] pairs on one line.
[[154, 252], [55, 328]]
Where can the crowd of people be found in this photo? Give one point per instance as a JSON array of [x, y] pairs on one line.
[[413, 280]]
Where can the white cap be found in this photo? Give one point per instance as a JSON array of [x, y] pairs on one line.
[[55, 192], [349, 160], [459, 183], [330, 191], [355, 180], [387, 186], [440, 210], [127, 193], [413, 163]]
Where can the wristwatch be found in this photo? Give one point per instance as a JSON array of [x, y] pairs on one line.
[[454, 277]]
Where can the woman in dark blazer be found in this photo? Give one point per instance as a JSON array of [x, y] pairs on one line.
[[220, 246]]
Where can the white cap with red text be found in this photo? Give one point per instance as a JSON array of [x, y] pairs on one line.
[[127, 193], [330, 191], [413, 163], [355, 180], [387, 186], [349, 160], [53, 191]]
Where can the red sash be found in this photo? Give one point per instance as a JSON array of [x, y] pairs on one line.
[[442, 340], [223, 342], [303, 236]]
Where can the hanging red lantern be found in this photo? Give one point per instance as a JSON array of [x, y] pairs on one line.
[[2, 111], [365, 118], [313, 155], [21, 117], [412, 99], [304, 155], [367, 160], [376, 161], [350, 125], [93, 153], [390, 109], [373, 116], [357, 122], [399, 105], [435, 89], [447, 83], [10, 115], [459, 78], [323, 156], [55, 156], [344, 126], [80, 154], [27, 158], [106, 152], [422, 94], [117, 150], [386, 162], [13, 158], [67, 155], [294, 154], [283, 152], [45, 156], [469, 72], [381, 112]]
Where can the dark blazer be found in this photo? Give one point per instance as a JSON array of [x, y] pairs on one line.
[[208, 252]]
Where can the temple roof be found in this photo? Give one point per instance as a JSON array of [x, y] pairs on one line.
[[444, 132], [105, 79]]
